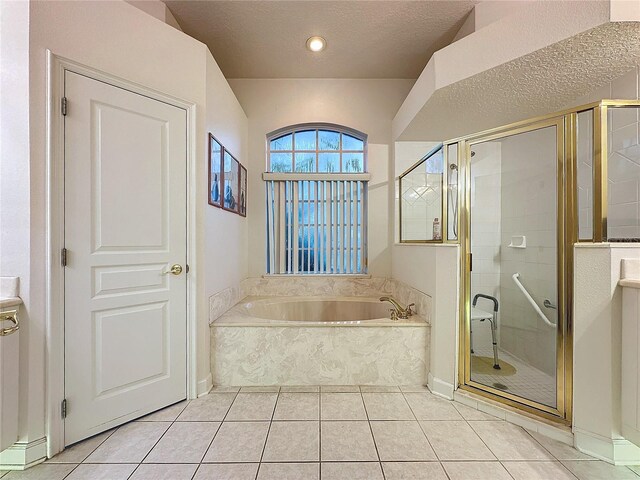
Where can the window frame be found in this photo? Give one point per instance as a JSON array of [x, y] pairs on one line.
[[315, 176]]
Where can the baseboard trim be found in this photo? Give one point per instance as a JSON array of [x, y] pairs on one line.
[[22, 455], [205, 386], [617, 451], [440, 387]]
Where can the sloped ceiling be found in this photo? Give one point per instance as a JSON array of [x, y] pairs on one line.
[[539, 83]]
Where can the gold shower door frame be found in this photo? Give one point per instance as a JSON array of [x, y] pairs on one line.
[[562, 402], [567, 236]]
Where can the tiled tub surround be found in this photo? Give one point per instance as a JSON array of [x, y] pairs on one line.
[[327, 433], [248, 350], [329, 286]]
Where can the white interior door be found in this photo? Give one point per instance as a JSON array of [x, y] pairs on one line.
[[125, 226]]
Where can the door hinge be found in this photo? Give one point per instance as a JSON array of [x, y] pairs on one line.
[[64, 106], [63, 257], [63, 408]]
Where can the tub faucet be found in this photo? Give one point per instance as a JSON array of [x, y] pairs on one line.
[[398, 311]]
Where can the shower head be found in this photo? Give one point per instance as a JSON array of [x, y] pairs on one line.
[[453, 166]]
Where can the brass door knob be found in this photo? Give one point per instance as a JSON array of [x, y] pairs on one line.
[[175, 270]]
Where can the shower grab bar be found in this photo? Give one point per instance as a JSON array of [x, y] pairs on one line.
[[533, 303]]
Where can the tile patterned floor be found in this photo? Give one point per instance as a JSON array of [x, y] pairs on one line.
[[528, 382], [328, 433]]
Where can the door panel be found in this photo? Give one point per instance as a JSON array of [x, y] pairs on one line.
[[513, 232], [125, 225]]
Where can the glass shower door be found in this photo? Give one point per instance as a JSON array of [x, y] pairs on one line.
[[514, 289]]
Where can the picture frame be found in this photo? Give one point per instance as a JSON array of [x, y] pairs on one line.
[[227, 179], [242, 201], [230, 181], [215, 172]]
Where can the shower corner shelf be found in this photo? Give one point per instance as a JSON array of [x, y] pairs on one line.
[[518, 241]]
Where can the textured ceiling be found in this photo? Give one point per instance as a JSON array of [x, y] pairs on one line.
[[542, 82], [365, 39]]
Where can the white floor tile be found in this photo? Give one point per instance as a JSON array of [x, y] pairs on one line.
[[265, 389], [81, 450], [538, 471], [210, 408], [229, 471], [414, 388], [340, 388], [43, 471], [476, 471], [427, 406], [293, 442], [379, 389], [597, 470], [252, 407], [455, 440], [300, 389], [168, 414], [509, 442], [387, 406], [289, 471], [401, 441], [352, 471], [413, 471], [130, 443], [342, 406], [297, 406], [238, 442], [559, 450], [184, 442], [347, 441], [110, 471], [165, 471], [469, 413]]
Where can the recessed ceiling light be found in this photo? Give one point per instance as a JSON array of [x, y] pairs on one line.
[[316, 44]]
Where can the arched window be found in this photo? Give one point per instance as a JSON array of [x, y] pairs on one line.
[[316, 200], [317, 148]]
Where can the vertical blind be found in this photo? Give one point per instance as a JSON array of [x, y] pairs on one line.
[[316, 225]]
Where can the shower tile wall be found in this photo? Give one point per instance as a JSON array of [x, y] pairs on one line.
[[624, 173], [485, 228], [585, 175], [622, 204], [528, 207], [421, 204]]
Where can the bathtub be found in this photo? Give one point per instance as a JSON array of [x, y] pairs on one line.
[[317, 341]]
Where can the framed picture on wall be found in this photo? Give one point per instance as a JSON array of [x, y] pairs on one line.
[[231, 180], [215, 172], [242, 208]]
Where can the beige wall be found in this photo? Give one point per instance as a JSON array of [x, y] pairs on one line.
[[366, 105], [597, 339], [116, 38]]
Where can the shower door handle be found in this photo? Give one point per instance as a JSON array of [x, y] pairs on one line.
[[548, 304]]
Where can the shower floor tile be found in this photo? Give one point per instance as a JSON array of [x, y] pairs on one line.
[[527, 382], [464, 445]]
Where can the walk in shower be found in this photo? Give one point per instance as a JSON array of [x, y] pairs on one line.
[[517, 198]]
